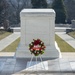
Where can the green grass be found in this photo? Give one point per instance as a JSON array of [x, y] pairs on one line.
[[12, 47], [64, 47], [4, 34], [72, 34]]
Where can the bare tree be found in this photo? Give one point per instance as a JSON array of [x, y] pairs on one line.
[[4, 13], [18, 5]]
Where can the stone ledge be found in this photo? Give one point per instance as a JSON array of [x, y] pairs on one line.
[[7, 54]]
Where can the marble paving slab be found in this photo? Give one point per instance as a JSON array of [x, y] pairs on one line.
[[37, 66]]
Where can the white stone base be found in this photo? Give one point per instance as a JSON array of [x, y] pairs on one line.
[[50, 52]]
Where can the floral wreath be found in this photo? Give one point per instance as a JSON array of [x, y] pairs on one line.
[[37, 47]]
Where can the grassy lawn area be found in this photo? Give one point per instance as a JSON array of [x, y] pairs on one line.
[[12, 47], [64, 47], [72, 34], [4, 34]]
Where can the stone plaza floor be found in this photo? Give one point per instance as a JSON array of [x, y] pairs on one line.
[[60, 66]]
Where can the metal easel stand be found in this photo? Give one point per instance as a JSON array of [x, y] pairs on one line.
[[36, 61]]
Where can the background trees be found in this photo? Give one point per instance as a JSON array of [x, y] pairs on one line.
[[39, 3], [58, 6], [10, 10], [70, 6], [4, 14]]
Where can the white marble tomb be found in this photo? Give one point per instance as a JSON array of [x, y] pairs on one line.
[[37, 23]]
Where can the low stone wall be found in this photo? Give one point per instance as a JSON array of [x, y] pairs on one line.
[[62, 25]]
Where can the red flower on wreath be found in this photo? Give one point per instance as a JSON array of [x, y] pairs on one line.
[[36, 42]]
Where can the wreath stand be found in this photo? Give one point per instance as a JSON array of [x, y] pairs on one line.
[[36, 62], [36, 48]]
